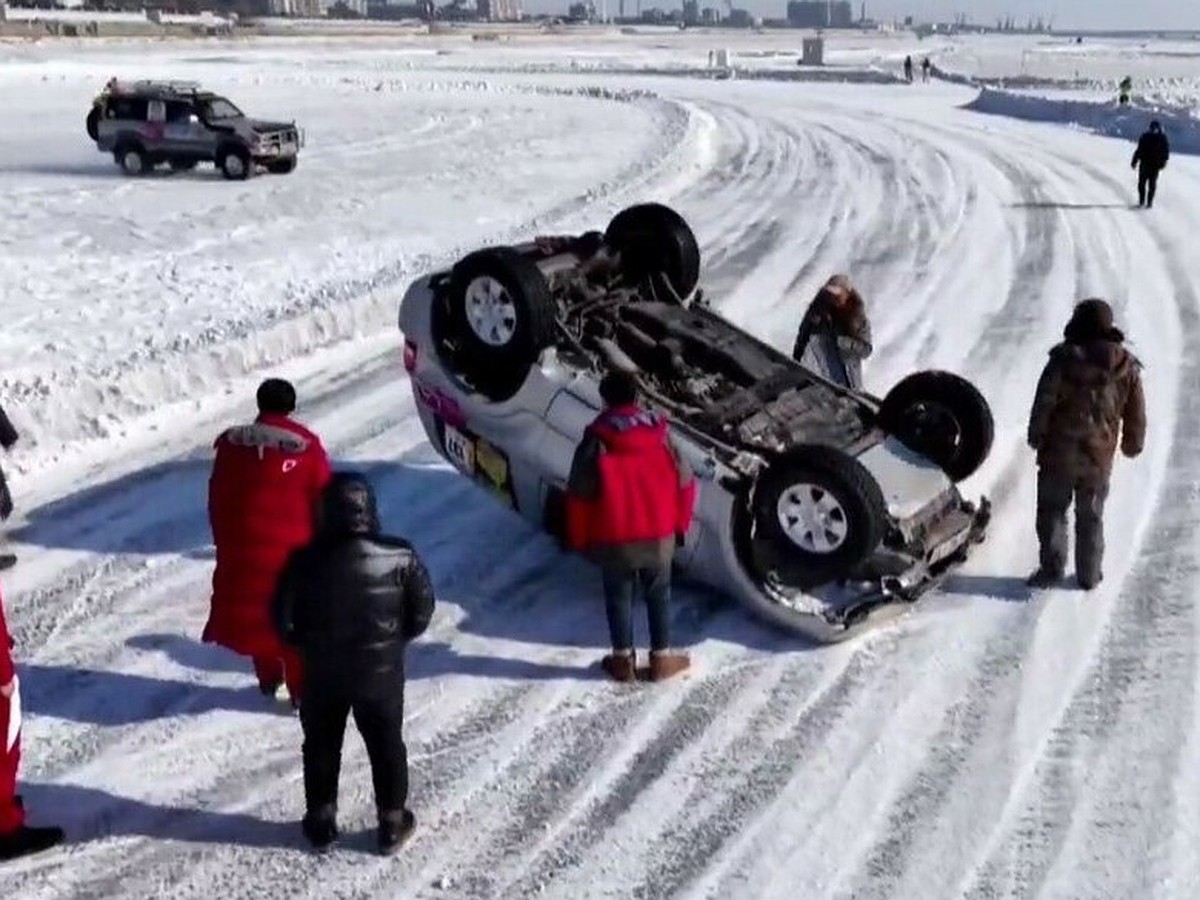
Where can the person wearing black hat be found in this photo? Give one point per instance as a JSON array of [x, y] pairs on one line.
[[1089, 401], [266, 482], [350, 602], [1153, 151]]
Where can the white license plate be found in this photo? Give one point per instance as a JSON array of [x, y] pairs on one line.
[[460, 449]]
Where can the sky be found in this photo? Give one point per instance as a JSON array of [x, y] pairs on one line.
[[1088, 14]]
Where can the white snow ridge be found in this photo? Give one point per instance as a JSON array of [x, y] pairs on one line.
[[988, 745]]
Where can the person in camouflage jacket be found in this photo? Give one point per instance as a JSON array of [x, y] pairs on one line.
[[834, 336], [1088, 401]]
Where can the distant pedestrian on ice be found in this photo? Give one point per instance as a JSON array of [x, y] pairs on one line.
[[1088, 401], [926, 65], [908, 69], [1153, 151], [262, 498], [834, 336], [350, 602], [8, 437], [16, 838], [630, 497]]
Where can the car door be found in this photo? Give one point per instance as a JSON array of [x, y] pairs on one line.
[[183, 134]]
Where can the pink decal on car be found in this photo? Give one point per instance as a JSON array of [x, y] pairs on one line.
[[441, 403]]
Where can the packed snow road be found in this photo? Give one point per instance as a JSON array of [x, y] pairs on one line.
[[991, 745]]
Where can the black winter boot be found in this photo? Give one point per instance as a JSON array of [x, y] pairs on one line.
[[394, 830], [320, 827], [26, 840]]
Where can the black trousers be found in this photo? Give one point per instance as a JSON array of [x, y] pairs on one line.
[[379, 714], [1147, 185]]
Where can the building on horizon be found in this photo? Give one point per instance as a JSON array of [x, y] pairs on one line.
[[820, 14]]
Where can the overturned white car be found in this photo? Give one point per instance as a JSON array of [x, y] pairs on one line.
[[820, 508]]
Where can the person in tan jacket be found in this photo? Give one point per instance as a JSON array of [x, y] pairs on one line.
[[1088, 401]]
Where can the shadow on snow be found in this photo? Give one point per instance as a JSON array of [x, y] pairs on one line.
[[87, 814], [494, 573]]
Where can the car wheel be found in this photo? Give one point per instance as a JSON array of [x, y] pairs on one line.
[[93, 123], [820, 512], [653, 238], [234, 163], [502, 316], [282, 166], [943, 417], [132, 159]]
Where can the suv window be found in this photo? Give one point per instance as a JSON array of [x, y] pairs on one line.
[[178, 110], [220, 108], [127, 108]]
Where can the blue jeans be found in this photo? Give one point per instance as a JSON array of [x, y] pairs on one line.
[[618, 605]]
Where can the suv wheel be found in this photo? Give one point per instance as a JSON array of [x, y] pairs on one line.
[[132, 159], [943, 417], [819, 513], [234, 163], [501, 316]]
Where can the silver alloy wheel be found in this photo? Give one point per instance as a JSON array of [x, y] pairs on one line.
[[234, 165], [131, 162], [490, 311], [812, 518]]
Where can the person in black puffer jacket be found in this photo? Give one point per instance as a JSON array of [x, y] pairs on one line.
[[8, 437], [350, 601]]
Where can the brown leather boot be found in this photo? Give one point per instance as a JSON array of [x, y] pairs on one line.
[[621, 665], [665, 664]]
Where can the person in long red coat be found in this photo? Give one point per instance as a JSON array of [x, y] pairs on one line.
[[263, 497], [16, 838]]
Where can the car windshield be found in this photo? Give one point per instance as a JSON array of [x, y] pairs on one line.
[[220, 108]]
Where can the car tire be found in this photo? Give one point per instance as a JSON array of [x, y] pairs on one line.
[[132, 159], [501, 315], [651, 237], [235, 163], [282, 166], [813, 485], [943, 417], [92, 123]]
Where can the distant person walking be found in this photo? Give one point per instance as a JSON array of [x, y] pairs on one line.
[[263, 493], [630, 497], [926, 65], [1150, 158], [350, 602], [1088, 401], [908, 69], [8, 437]]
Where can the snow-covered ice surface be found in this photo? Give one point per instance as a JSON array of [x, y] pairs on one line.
[[991, 745]]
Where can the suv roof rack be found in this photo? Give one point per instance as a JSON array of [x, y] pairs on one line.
[[149, 85]]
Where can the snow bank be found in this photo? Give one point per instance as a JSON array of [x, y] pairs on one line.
[[1107, 119]]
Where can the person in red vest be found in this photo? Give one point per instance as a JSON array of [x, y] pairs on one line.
[[16, 838], [630, 498], [263, 496]]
